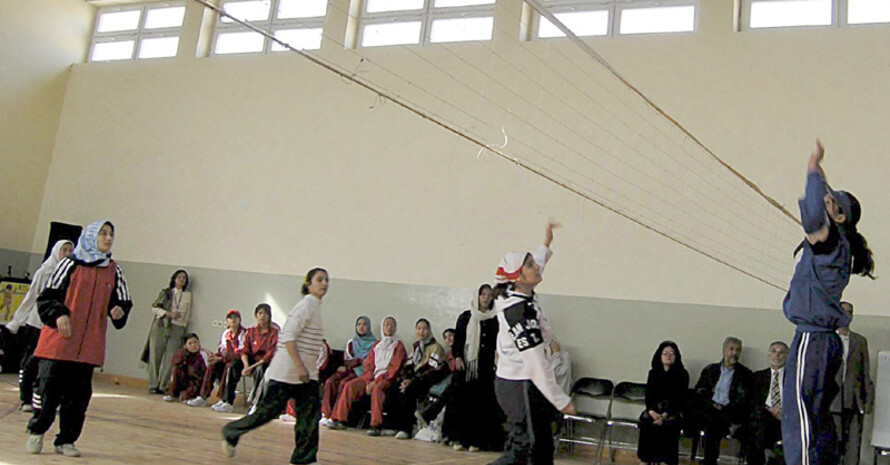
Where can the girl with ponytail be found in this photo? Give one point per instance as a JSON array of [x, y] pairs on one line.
[[832, 251]]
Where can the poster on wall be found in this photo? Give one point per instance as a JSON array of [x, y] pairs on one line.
[[13, 291]]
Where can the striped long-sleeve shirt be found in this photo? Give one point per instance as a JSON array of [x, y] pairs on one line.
[[304, 325]]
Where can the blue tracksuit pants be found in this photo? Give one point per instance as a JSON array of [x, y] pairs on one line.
[[808, 434]]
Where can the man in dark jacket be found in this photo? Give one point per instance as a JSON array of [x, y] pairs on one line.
[[765, 427], [723, 392], [857, 395]]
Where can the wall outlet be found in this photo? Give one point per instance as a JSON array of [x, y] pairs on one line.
[[218, 324]]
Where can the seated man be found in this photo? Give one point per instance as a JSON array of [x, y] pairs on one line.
[[723, 392], [765, 428]]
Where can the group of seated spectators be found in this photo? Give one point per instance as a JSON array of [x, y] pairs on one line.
[[729, 400]]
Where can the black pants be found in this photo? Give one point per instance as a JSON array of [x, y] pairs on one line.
[[849, 432], [529, 419], [29, 336], [307, 410], [763, 432], [717, 426], [68, 385], [402, 405]]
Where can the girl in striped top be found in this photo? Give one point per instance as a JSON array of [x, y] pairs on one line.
[[292, 374]]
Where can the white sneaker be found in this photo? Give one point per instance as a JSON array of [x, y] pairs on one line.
[[68, 450], [403, 435], [196, 402], [217, 404], [224, 408], [287, 418], [34, 444], [326, 422], [26, 408], [169, 398]]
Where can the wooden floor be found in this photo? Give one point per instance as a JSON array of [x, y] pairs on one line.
[[127, 426]]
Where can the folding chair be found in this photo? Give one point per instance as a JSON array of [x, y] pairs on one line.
[[627, 400], [592, 398]]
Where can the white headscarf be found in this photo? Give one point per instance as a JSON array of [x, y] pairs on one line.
[[474, 335], [27, 311], [384, 349]]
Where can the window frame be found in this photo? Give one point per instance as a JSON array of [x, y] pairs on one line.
[[614, 9], [137, 35], [271, 25], [426, 15]]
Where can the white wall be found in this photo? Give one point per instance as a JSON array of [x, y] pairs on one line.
[[39, 40], [267, 163]]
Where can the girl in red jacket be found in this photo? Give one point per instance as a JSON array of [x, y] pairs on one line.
[[82, 293]]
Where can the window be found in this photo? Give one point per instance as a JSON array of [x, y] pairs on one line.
[[298, 23], [868, 11], [401, 22], [763, 14], [587, 18], [149, 30]]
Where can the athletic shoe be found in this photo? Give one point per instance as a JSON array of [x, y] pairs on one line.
[[388, 432], [457, 446], [335, 425], [228, 449], [68, 450], [326, 422], [34, 444], [373, 432], [169, 398], [287, 418], [218, 403], [26, 408], [224, 408], [473, 449], [403, 435], [196, 402]]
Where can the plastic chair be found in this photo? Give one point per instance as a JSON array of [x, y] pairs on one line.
[[593, 399], [627, 399]]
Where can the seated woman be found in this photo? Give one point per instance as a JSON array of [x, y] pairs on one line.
[[381, 367], [357, 349], [426, 366], [224, 366], [259, 347], [189, 365], [665, 402]]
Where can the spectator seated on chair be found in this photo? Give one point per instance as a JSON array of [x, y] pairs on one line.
[[660, 423], [723, 391], [357, 350], [381, 367]]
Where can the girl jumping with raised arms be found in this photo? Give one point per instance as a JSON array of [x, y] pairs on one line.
[[833, 249]]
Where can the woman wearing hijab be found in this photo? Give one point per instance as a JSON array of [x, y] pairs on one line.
[[425, 367], [525, 385], [171, 309], [665, 401], [380, 370], [357, 349], [27, 318], [82, 293], [473, 419]]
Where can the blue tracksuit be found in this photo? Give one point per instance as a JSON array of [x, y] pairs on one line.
[[813, 304]]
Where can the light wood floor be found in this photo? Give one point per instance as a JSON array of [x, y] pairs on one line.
[[127, 426]]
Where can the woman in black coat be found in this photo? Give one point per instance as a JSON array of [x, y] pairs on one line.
[[666, 390]]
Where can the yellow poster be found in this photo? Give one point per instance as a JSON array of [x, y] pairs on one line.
[[13, 293]]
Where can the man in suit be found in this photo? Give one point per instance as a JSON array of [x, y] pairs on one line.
[[765, 427], [857, 394], [723, 391]]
